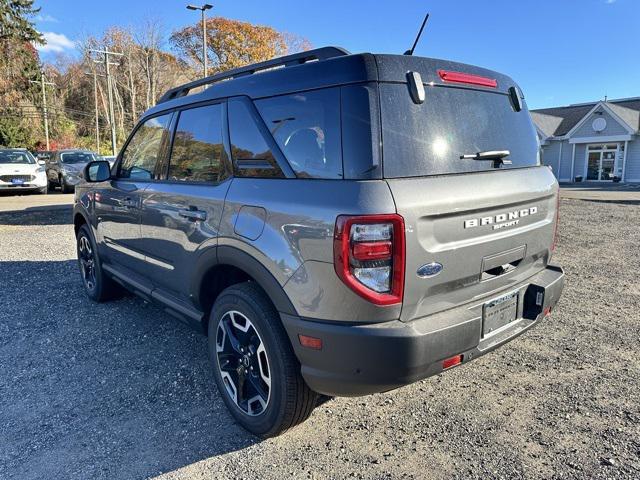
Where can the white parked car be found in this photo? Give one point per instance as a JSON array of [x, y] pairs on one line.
[[21, 172]]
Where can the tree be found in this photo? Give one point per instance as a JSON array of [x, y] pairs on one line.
[[145, 71], [14, 132], [231, 43], [19, 63], [15, 23]]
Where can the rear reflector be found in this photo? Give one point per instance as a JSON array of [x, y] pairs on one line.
[[452, 362], [547, 311], [310, 342], [554, 245], [459, 77]]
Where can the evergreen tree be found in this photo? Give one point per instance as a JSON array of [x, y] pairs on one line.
[[15, 23]]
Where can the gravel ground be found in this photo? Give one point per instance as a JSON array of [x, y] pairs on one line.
[[121, 390]]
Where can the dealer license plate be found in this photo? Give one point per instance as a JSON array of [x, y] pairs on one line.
[[499, 312]]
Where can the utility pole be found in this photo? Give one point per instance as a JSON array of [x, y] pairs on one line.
[[112, 121], [95, 100], [203, 9], [45, 117]]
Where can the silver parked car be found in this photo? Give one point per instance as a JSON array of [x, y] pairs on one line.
[[64, 167], [341, 225]]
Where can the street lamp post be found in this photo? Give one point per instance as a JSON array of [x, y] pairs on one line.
[[202, 9]]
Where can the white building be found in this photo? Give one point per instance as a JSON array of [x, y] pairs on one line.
[[596, 142]]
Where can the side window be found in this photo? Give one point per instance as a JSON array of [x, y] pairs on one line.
[[198, 151], [251, 154], [306, 127], [143, 151]]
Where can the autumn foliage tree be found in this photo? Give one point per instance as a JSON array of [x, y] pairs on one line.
[[143, 73], [232, 43], [18, 65]]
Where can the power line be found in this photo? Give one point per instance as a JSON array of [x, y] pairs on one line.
[[106, 54], [43, 82]]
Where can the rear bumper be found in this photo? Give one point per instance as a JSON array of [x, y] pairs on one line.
[[363, 359]]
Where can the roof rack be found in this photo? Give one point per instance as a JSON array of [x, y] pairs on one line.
[[319, 54]]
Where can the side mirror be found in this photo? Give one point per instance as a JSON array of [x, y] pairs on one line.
[[97, 171], [41, 162]]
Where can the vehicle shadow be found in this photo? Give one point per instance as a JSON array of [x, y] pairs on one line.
[[619, 202], [51, 215], [112, 390]]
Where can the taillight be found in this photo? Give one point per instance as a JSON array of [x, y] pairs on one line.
[[459, 77], [368, 253], [555, 224]]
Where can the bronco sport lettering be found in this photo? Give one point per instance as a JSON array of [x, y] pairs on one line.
[[500, 218]]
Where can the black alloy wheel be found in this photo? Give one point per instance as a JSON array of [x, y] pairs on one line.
[[87, 261], [243, 363]]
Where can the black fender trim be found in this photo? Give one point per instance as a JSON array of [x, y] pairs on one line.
[[79, 211], [226, 255]]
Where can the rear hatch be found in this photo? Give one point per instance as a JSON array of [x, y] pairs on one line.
[[488, 224]]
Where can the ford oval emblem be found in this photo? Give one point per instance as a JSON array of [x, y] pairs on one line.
[[429, 270]]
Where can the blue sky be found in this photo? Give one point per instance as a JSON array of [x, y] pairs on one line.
[[559, 51]]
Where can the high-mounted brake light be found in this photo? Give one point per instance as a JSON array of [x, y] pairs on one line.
[[459, 77], [369, 256]]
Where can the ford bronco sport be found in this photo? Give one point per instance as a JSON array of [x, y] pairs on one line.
[[337, 224]]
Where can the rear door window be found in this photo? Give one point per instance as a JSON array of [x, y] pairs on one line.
[[197, 152], [430, 138], [306, 127], [252, 156], [145, 148]]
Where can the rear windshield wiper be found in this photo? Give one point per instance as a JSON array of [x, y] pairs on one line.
[[496, 155]]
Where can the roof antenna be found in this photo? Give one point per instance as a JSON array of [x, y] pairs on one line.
[[424, 22]]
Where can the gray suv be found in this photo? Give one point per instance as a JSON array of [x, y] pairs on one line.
[[64, 168], [337, 224]]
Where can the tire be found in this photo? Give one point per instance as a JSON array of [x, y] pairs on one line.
[[289, 401], [63, 186], [98, 286]]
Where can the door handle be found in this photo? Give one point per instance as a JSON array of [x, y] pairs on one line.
[[193, 214]]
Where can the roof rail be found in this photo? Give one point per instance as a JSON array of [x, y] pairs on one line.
[[323, 53]]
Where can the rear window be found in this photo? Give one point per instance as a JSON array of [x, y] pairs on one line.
[[430, 138]]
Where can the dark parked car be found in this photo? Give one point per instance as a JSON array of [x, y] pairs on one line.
[[43, 155], [336, 224], [64, 168]]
